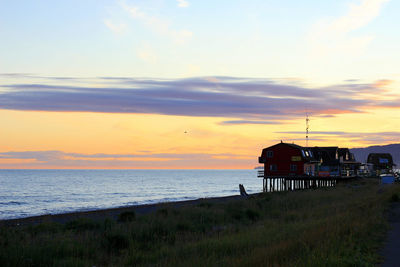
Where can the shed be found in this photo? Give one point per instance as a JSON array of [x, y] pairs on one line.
[[381, 161]]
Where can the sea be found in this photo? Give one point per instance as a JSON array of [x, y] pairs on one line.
[[25, 193]]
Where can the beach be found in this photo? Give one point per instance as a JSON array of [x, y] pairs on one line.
[[112, 213]]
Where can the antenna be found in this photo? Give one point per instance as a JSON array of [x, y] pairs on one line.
[[307, 128]]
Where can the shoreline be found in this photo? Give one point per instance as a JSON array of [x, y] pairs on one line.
[[112, 213], [263, 229]]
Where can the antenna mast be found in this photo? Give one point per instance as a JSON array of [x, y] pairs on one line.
[[307, 128]]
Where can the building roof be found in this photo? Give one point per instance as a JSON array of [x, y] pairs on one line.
[[326, 155], [305, 152], [375, 158], [329, 155], [288, 144], [346, 154]]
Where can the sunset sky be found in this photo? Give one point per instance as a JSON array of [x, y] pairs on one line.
[[193, 84]]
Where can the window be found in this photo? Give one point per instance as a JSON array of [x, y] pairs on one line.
[[302, 152], [293, 167], [273, 167], [270, 154], [307, 154]]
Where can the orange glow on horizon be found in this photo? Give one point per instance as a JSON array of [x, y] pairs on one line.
[[198, 142]]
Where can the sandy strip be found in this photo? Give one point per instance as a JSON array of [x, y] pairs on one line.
[[112, 212]]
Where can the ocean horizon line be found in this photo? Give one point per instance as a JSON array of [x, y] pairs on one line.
[[112, 169]]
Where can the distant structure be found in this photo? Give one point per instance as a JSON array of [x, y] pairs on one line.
[[382, 162], [290, 166]]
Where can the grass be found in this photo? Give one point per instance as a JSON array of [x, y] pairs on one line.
[[342, 226]]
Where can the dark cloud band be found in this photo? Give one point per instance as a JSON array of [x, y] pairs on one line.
[[257, 101]]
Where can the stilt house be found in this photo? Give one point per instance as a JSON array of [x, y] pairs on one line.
[[285, 159]]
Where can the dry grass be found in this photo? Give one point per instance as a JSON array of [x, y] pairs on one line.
[[342, 226]]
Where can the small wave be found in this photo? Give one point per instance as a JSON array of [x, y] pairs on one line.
[[230, 191], [116, 194], [169, 199], [15, 203], [131, 203], [54, 200]]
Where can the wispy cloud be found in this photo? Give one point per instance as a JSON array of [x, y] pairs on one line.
[[117, 28], [237, 122], [256, 101], [183, 3], [158, 25], [147, 54], [356, 137], [60, 159], [181, 37], [332, 36], [356, 17]]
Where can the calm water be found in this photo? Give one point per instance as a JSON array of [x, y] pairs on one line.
[[26, 193]]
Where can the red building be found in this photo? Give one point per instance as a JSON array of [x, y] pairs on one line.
[[285, 159]]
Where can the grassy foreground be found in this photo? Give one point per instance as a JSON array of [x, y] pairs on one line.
[[342, 226]]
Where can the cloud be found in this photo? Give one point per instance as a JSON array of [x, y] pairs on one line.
[[147, 54], [357, 17], [332, 36], [356, 137], [183, 3], [181, 37], [244, 99], [158, 25], [60, 159], [40, 156], [16, 75], [341, 133], [55, 154], [315, 132], [236, 122], [116, 28]]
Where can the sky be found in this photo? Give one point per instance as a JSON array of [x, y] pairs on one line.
[[185, 84]]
